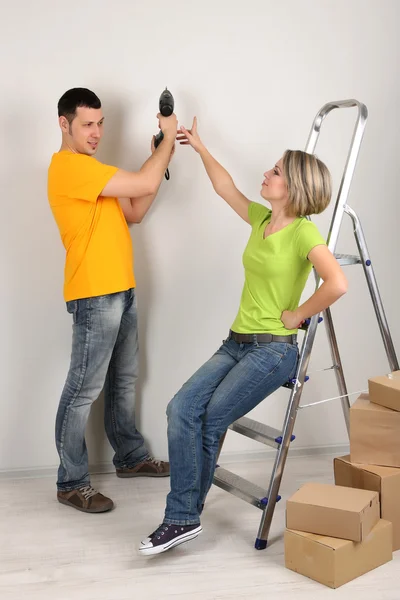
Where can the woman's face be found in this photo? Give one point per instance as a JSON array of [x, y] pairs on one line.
[[274, 186]]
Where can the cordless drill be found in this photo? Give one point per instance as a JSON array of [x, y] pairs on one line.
[[166, 107]]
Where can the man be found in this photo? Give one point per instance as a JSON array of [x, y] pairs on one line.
[[92, 203]]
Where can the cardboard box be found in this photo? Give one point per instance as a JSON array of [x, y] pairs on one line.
[[374, 434], [384, 480], [334, 562], [333, 510], [385, 390]]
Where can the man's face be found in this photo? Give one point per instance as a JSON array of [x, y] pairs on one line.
[[84, 133]]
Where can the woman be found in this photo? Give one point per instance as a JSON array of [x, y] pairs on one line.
[[260, 353]]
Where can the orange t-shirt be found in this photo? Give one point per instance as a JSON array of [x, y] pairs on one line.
[[93, 228]]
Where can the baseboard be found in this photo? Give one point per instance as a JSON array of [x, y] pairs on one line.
[[226, 457], [42, 472]]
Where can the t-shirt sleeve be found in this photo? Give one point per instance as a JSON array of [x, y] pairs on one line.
[[257, 213], [307, 238], [87, 177]]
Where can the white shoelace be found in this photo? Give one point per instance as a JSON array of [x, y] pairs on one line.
[[87, 491]]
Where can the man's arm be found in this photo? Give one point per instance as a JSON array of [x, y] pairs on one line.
[[146, 181], [135, 209]]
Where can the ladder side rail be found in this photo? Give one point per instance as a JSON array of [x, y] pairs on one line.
[[336, 221], [351, 160], [287, 430], [339, 374], [374, 290]]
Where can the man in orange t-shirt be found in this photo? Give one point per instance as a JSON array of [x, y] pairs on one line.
[[92, 203]]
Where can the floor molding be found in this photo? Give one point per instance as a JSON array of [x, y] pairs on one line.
[[226, 457]]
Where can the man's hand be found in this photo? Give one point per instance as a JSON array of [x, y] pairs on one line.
[[168, 125], [290, 320], [190, 137]]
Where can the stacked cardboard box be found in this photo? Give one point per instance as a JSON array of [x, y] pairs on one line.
[[374, 461], [375, 423], [384, 480], [334, 533]]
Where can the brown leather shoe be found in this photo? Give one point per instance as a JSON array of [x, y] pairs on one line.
[[86, 499], [148, 468]]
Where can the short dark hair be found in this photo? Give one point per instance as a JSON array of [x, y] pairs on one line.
[[72, 99]]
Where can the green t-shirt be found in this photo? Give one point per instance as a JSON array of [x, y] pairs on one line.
[[276, 271]]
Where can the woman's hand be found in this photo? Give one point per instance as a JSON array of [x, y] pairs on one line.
[[290, 319], [190, 137]]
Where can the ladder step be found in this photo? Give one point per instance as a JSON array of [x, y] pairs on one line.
[[257, 431], [246, 490], [347, 259]]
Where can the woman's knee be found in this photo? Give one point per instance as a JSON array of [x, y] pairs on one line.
[[177, 418], [175, 408], [186, 399]]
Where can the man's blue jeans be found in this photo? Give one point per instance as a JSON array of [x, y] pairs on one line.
[[229, 385], [104, 354]]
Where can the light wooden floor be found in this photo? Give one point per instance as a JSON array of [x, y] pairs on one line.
[[49, 551]]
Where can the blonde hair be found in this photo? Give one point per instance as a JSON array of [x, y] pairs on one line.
[[309, 183]]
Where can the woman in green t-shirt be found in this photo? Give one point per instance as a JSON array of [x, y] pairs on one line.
[[260, 353]]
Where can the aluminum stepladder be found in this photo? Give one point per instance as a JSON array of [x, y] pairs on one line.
[[246, 490]]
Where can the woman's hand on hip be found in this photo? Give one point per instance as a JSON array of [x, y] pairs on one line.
[[290, 319]]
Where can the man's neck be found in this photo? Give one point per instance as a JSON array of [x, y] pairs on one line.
[[66, 147]]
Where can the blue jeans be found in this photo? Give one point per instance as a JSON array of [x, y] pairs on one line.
[[235, 379], [104, 354]]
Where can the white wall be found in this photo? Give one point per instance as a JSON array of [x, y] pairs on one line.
[[255, 73]]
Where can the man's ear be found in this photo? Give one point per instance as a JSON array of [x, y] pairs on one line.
[[64, 124]]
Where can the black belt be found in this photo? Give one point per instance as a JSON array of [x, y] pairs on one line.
[[249, 338]]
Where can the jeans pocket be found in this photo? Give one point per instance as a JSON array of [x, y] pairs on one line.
[[72, 308], [278, 348]]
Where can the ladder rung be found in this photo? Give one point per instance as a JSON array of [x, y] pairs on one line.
[[347, 259], [246, 490], [257, 431]]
